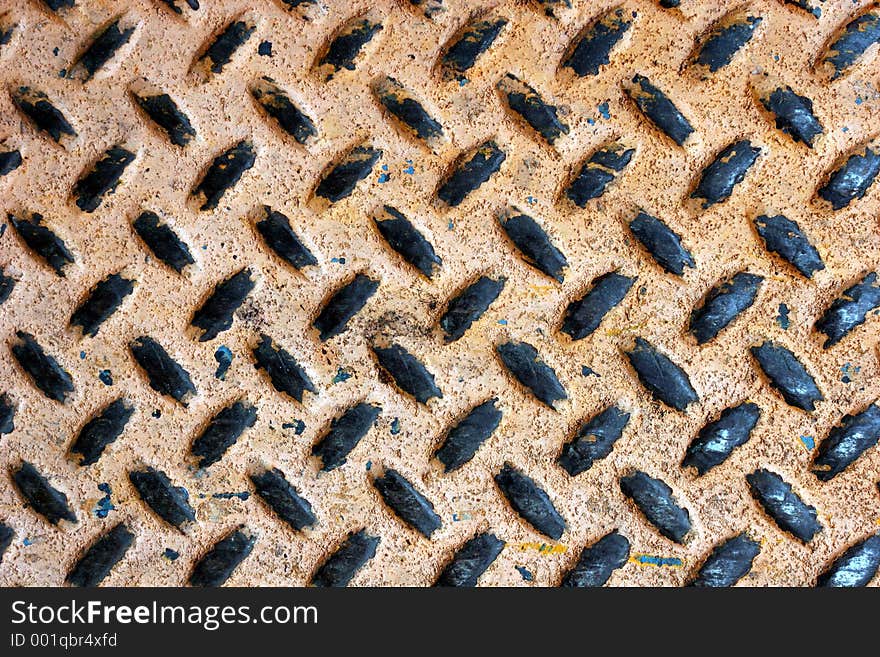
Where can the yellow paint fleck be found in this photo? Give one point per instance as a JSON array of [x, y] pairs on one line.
[[544, 548], [626, 329]]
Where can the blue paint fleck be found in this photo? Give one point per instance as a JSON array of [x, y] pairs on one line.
[[809, 442], [265, 49], [369, 465], [844, 129], [589, 371], [462, 81], [526, 574], [775, 58], [604, 111], [106, 377], [450, 225], [198, 473], [531, 200], [859, 100], [338, 261], [847, 370], [82, 355], [27, 542], [204, 247], [503, 322], [341, 375], [2, 229], [170, 554], [223, 356], [228, 496], [297, 425], [384, 178], [409, 169], [157, 413], [62, 72], [782, 318], [591, 121], [643, 290], [658, 561], [104, 505], [395, 426], [55, 51]]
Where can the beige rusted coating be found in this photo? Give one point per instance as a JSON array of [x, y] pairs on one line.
[[722, 108]]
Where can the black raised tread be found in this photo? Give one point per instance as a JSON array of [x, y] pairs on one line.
[[530, 501]]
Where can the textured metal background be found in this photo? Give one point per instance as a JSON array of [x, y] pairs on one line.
[[406, 307]]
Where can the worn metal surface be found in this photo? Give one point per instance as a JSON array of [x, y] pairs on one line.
[[164, 53]]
